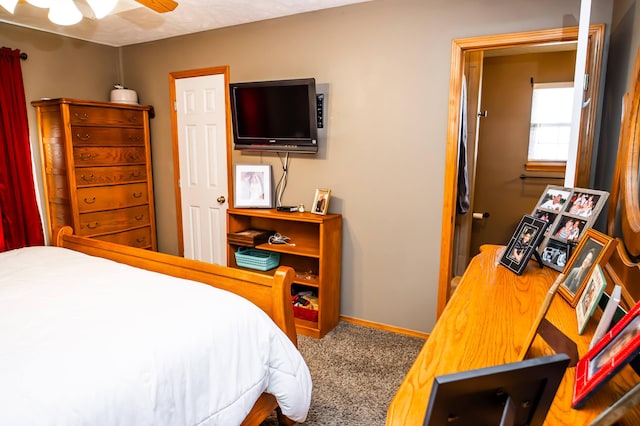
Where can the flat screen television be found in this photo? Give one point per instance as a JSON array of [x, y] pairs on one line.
[[278, 116], [518, 393]]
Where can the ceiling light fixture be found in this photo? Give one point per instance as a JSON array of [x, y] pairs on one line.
[[64, 12], [10, 5], [102, 8]]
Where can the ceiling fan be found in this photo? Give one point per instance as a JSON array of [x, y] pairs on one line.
[[160, 6], [67, 12]]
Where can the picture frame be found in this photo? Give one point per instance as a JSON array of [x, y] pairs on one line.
[[590, 297], [321, 201], [570, 212], [609, 311], [523, 243], [616, 349], [594, 248], [253, 186]]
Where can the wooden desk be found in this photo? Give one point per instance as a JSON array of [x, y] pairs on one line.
[[485, 324]]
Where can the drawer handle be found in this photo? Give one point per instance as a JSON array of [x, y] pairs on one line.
[[136, 174], [133, 118], [141, 239], [139, 217], [137, 194], [134, 156], [86, 136], [93, 200], [94, 226], [91, 178], [134, 138], [85, 157], [82, 117]]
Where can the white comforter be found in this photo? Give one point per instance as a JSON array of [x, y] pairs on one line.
[[87, 341]]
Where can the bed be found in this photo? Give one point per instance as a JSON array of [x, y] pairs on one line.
[[98, 333]]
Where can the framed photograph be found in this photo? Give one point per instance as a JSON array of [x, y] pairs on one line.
[[555, 254], [570, 212], [321, 201], [590, 297], [619, 346], [546, 216], [253, 186], [523, 243], [594, 248], [609, 311], [554, 198]]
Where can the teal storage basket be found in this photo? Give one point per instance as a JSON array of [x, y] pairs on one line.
[[257, 259]]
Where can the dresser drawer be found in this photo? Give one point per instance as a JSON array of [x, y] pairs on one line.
[[104, 116], [137, 238], [88, 176], [108, 156], [112, 197], [113, 220], [107, 136]]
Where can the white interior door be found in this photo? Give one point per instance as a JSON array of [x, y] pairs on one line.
[[202, 150]]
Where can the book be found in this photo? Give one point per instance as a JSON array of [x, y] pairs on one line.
[[249, 237]]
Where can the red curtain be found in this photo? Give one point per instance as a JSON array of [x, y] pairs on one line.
[[21, 223]]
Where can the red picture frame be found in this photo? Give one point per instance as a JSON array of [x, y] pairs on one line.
[[616, 349]]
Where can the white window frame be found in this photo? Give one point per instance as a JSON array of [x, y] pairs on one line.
[[561, 135]]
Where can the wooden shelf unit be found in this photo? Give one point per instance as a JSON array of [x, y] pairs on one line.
[[316, 256]]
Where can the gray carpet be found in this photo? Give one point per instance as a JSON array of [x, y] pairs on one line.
[[356, 371]]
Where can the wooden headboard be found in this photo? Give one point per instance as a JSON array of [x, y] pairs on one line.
[[624, 210]]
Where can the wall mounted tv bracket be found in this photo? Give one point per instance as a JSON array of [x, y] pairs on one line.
[[320, 109]]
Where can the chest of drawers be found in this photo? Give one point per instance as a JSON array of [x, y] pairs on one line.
[[96, 161]]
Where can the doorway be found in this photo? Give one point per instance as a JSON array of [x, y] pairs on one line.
[[201, 134], [454, 232]]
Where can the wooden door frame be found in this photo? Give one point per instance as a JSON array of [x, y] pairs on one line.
[[173, 76], [585, 144]]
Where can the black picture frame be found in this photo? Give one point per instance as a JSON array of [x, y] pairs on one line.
[[523, 243]]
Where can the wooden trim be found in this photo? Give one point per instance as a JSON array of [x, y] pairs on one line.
[[585, 145], [173, 76], [546, 166], [384, 327]]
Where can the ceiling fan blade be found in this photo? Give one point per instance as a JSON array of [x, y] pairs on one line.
[[160, 6]]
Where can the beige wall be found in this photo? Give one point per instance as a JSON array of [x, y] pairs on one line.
[[385, 65]]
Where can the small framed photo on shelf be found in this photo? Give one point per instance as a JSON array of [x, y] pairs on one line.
[[594, 248], [523, 243], [253, 186], [570, 212], [617, 348], [590, 297], [321, 201]]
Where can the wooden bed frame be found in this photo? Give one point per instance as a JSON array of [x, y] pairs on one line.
[[272, 294]]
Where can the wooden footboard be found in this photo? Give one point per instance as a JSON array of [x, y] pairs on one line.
[[272, 294]]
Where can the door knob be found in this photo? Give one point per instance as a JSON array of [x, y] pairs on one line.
[[221, 199]]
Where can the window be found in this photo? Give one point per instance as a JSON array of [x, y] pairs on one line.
[[551, 107]]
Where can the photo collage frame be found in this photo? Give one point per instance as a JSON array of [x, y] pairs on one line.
[[570, 212]]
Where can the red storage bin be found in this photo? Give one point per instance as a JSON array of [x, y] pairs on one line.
[[305, 314]]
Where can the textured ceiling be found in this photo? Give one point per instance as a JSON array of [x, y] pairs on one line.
[[131, 23]]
